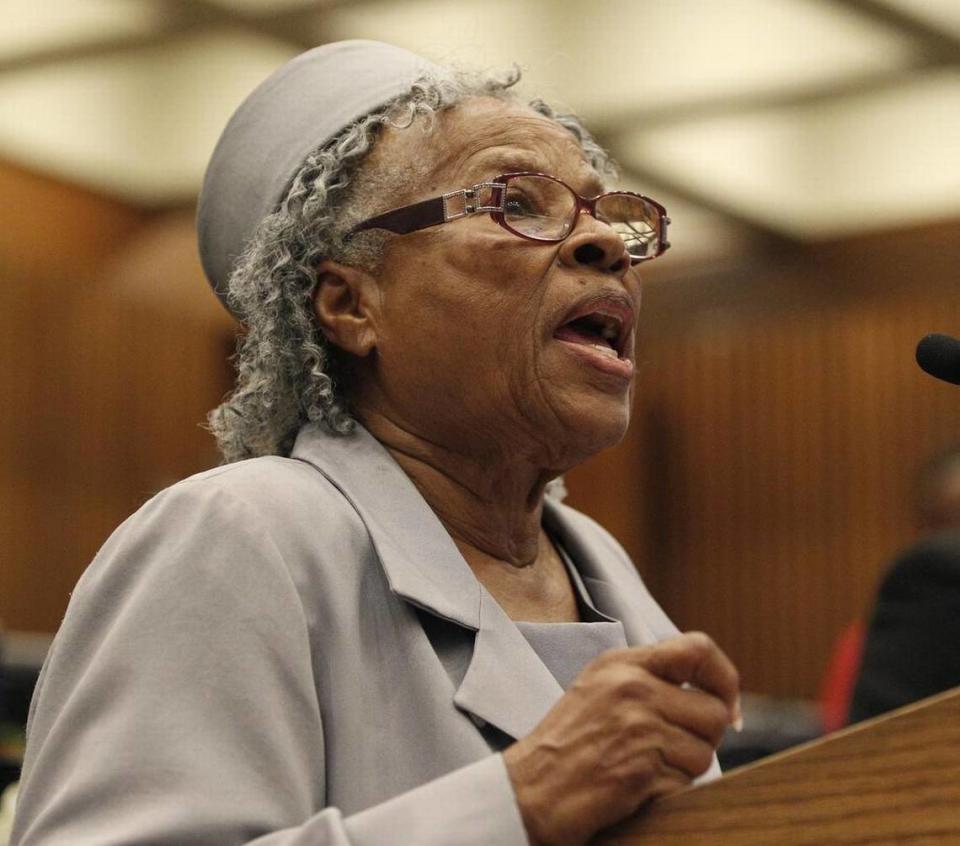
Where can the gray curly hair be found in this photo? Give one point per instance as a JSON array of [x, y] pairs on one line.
[[287, 373]]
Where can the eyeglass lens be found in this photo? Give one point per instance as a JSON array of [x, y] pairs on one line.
[[545, 209]]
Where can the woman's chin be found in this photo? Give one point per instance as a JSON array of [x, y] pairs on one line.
[[594, 427]]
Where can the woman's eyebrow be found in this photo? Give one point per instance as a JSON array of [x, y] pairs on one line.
[[491, 166], [499, 165]]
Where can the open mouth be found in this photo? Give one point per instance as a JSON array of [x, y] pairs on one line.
[[603, 324], [598, 331], [603, 332]]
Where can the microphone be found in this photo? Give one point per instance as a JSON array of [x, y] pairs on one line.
[[939, 355]]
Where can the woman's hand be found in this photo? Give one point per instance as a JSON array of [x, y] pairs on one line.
[[624, 733]]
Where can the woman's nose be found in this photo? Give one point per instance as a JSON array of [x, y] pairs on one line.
[[595, 244]]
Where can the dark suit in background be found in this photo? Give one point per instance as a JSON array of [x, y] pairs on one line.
[[912, 648]]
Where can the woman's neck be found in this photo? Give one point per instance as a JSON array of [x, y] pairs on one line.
[[491, 504], [492, 508]]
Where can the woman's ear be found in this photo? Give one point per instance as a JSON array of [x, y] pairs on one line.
[[345, 302]]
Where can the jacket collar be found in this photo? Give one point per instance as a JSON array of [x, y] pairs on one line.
[[506, 684], [421, 562]]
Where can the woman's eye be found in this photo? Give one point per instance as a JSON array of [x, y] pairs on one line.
[[518, 204]]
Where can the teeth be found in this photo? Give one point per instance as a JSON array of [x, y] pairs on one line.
[[607, 351], [609, 332]]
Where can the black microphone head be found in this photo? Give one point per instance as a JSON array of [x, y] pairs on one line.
[[939, 355]]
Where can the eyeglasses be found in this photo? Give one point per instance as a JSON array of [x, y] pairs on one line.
[[537, 207]]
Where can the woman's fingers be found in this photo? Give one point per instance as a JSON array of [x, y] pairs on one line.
[[692, 658], [696, 711], [686, 753], [636, 724], [670, 780]]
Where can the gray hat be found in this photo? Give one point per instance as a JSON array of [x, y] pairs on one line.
[[298, 108]]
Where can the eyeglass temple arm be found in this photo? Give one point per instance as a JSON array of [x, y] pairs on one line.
[[407, 219]]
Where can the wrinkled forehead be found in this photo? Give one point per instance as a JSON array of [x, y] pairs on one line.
[[483, 137]]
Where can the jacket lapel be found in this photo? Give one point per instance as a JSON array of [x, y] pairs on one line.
[[609, 576], [506, 684]]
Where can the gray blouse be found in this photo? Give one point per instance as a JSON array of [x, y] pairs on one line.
[[566, 648]]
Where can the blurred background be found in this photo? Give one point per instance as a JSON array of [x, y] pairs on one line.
[[808, 152]]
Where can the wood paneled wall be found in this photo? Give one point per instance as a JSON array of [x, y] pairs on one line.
[[765, 483], [768, 477], [107, 366]]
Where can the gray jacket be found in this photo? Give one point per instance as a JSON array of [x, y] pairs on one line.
[[293, 651]]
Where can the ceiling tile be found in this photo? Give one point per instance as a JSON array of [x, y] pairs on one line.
[[880, 160], [136, 124], [625, 55], [32, 26], [139, 125]]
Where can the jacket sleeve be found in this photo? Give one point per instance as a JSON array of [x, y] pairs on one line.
[[178, 705]]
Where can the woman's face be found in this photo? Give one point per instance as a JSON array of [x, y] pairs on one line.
[[473, 338]]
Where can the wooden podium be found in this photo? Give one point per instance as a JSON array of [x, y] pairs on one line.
[[893, 779]]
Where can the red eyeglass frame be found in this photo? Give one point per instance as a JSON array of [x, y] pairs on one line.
[[467, 201]]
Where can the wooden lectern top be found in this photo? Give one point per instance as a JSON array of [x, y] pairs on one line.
[[892, 779]]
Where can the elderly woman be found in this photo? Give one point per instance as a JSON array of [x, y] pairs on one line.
[[371, 625]]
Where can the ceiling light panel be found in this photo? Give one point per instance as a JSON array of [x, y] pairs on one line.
[[30, 27], [854, 164], [138, 125], [628, 55]]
